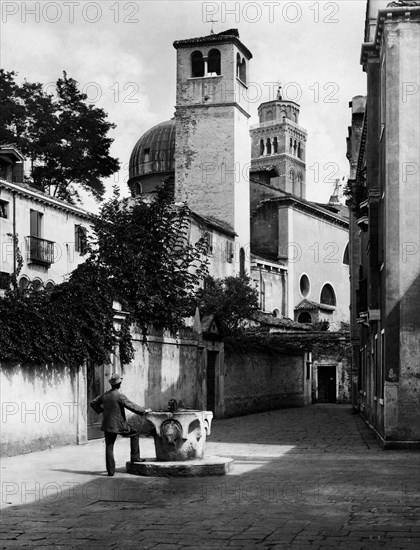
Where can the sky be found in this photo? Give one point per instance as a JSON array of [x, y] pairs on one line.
[[121, 54]]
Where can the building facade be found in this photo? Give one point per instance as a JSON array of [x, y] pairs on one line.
[[48, 235], [384, 152], [251, 182]]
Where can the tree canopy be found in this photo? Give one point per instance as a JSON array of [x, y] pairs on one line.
[[140, 256], [143, 248], [232, 300], [63, 136]]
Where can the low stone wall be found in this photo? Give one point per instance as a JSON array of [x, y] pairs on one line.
[[256, 381], [42, 406], [45, 406]]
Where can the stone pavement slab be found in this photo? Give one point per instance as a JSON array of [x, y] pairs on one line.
[[303, 478]]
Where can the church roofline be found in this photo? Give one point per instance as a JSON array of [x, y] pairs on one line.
[[307, 206], [231, 35], [288, 101], [221, 226]]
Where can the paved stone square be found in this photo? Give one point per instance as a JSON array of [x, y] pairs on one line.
[[311, 478]]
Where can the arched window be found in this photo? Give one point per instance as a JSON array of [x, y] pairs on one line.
[[214, 61], [328, 295], [276, 313], [23, 283], [346, 256], [197, 64], [299, 151], [242, 262], [305, 285], [300, 184], [275, 146], [304, 317], [294, 147], [49, 286], [291, 146], [295, 117], [37, 284], [242, 71], [261, 147], [292, 178], [269, 115], [238, 65], [283, 115], [268, 146]]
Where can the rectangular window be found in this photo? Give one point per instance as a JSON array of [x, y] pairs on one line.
[[36, 223], [4, 209], [80, 239], [207, 237], [229, 251]]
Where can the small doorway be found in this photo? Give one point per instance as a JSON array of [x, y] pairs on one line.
[[211, 380], [95, 387], [327, 383]]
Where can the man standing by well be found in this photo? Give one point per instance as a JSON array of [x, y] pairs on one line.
[[113, 404]]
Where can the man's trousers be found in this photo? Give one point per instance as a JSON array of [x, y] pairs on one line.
[[110, 438]]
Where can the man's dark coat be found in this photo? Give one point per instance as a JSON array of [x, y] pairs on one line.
[[112, 404]]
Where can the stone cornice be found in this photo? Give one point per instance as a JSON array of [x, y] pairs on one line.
[[230, 37], [25, 191], [207, 105], [387, 15], [271, 159]]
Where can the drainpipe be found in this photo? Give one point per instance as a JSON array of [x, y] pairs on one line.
[[14, 234]]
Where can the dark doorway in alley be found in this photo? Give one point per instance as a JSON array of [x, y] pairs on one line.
[[211, 380], [95, 387], [327, 380]]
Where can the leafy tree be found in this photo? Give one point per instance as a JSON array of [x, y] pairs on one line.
[[232, 300], [142, 247], [70, 324], [63, 137], [140, 256]]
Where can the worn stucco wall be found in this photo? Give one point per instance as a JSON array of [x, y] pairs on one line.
[[256, 382], [42, 406]]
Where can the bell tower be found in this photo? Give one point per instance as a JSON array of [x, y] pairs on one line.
[[279, 147], [212, 144]]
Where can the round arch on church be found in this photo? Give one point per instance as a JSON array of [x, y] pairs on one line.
[[304, 317], [346, 255], [214, 61], [197, 64], [328, 295]]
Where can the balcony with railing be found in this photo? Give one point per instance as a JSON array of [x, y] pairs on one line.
[[41, 251]]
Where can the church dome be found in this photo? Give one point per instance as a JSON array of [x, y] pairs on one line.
[[154, 152]]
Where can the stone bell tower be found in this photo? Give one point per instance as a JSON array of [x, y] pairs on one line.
[[212, 144], [279, 147]]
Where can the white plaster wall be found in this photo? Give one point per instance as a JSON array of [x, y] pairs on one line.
[[219, 267], [317, 250], [58, 226], [41, 406]]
